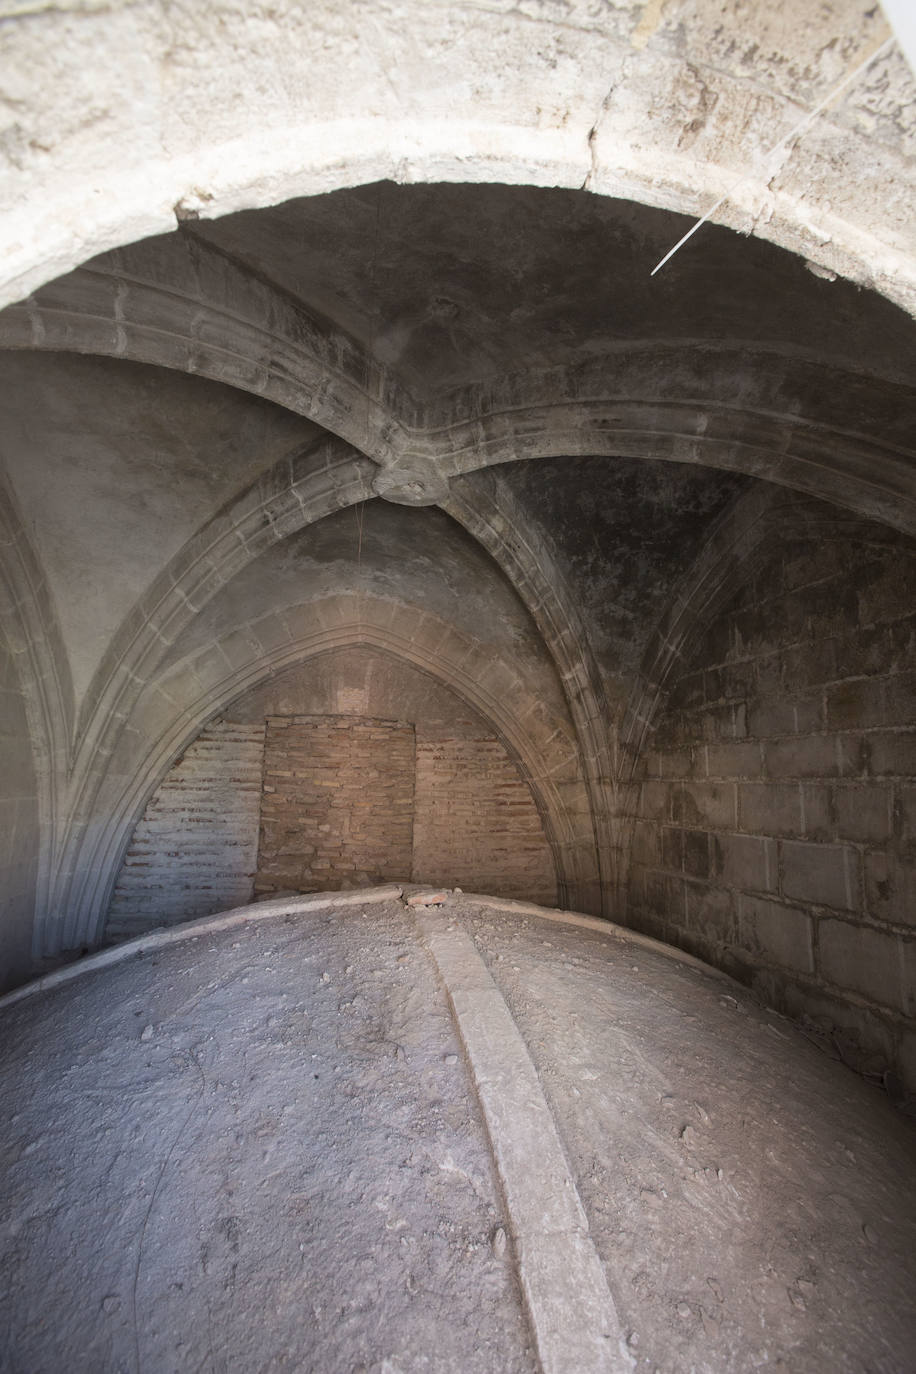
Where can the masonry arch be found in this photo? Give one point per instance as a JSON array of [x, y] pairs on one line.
[[541, 745], [853, 469], [33, 638], [176, 303], [803, 411], [297, 492], [602, 412], [661, 111], [485, 508]]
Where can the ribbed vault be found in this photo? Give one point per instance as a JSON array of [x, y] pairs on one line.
[[732, 391], [322, 351], [382, 500]]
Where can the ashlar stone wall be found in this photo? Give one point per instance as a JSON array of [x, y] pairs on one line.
[[777, 821]]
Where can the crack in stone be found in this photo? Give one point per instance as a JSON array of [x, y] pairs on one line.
[[593, 136]]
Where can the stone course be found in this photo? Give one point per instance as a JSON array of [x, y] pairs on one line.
[[776, 829]]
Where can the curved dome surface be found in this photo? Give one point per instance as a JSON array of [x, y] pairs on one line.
[[296, 1142]]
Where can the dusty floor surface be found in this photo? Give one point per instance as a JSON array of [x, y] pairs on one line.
[[288, 1173], [261, 1150], [753, 1201]]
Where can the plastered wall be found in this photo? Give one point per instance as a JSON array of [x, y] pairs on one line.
[[19, 835]]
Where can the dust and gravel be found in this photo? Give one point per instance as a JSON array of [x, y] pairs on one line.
[[288, 1171], [753, 1201], [260, 1150]]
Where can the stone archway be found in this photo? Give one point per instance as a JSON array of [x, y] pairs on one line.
[[543, 747], [655, 104]]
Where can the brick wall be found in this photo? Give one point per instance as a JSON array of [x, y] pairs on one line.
[[193, 852], [19, 837], [337, 805], [476, 824], [777, 821], [466, 817]]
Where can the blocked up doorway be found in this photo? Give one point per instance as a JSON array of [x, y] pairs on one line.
[[337, 803]]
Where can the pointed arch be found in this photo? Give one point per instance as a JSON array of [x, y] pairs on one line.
[[542, 746]]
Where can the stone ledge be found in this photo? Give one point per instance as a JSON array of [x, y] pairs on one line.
[[170, 935], [572, 1312]]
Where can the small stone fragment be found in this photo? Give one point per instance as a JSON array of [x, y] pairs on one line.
[[427, 898], [684, 1310], [710, 1325], [111, 1303], [146, 1033], [870, 1235], [451, 1059], [498, 1242]]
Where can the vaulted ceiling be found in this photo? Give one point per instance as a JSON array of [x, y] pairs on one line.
[[197, 428], [264, 266]]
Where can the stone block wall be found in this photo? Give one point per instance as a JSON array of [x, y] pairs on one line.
[[19, 834], [194, 851], [477, 826], [776, 833], [337, 805]]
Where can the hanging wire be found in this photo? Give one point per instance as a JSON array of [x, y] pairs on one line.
[[799, 128]]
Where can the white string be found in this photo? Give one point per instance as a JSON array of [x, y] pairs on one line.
[[778, 147]]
